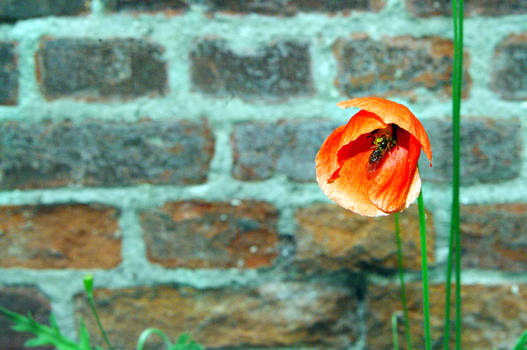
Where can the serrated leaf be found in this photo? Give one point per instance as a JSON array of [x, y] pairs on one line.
[[183, 339], [18, 320], [53, 322], [44, 335], [35, 342], [84, 337], [185, 342]]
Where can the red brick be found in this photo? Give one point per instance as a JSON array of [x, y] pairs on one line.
[[333, 238], [493, 316], [490, 150], [395, 65], [8, 73], [493, 236], [104, 153], [200, 234], [509, 67], [273, 315], [13, 10], [277, 71], [22, 300], [262, 150], [100, 69], [59, 236], [147, 5], [292, 7], [428, 8]]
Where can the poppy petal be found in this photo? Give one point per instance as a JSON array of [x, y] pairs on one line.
[[363, 122], [350, 188], [392, 112], [326, 160], [415, 189], [392, 182], [349, 174]]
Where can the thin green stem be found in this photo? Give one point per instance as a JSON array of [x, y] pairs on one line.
[[394, 332], [88, 287], [147, 332], [457, 80], [400, 267], [448, 282], [424, 267]]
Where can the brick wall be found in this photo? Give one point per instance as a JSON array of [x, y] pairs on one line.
[[167, 147]]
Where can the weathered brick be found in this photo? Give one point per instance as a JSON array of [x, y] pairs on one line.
[[331, 237], [59, 236], [272, 315], [493, 236], [22, 300], [104, 153], [277, 71], [8, 73], [288, 148], [206, 234], [147, 5], [490, 150], [428, 8], [13, 10], [395, 65], [493, 316], [292, 7], [100, 69], [509, 67]]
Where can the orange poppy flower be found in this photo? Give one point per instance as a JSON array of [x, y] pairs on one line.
[[369, 165]]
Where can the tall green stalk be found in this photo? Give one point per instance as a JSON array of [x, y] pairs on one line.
[[457, 79], [88, 287], [424, 268], [394, 332], [400, 267]]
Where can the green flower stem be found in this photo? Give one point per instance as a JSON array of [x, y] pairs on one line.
[[401, 280], [88, 287], [457, 80], [394, 332], [147, 332], [424, 267], [448, 282]]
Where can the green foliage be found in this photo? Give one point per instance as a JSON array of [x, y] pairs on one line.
[[455, 236], [394, 332], [184, 342], [45, 335], [522, 342], [50, 335], [400, 268]]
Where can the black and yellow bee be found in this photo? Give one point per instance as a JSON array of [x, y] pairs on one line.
[[383, 141]]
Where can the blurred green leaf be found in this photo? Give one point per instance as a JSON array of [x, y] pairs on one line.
[[84, 337], [522, 342], [50, 335], [44, 335], [185, 342]]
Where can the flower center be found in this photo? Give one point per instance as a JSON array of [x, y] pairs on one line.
[[383, 140]]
